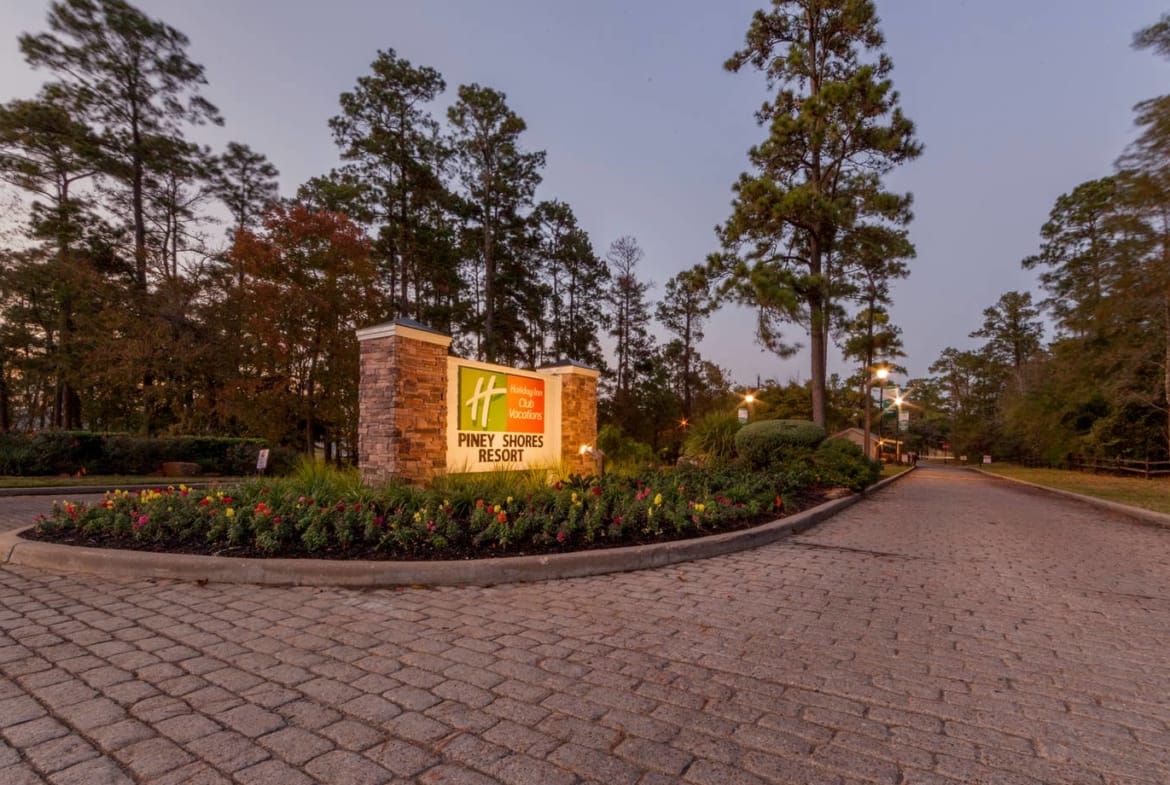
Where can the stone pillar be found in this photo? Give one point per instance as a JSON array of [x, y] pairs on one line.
[[578, 416], [402, 402]]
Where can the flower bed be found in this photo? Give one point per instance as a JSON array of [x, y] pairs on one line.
[[328, 514]]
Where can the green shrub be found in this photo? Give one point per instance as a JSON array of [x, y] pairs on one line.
[[712, 438], [15, 454], [623, 454], [126, 454], [71, 452], [768, 442], [842, 463]]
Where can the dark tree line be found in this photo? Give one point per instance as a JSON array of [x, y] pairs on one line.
[[150, 284]]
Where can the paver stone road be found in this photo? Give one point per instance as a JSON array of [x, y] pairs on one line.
[[950, 629]]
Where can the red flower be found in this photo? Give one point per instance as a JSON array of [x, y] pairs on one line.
[[596, 490], [479, 504], [502, 517], [779, 502], [562, 536]]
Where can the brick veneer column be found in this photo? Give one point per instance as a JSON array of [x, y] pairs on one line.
[[402, 402], [578, 416]]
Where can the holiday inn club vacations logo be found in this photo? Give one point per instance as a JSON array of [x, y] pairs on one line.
[[496, 402]]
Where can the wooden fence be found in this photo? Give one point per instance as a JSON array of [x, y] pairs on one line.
[[1120, 466]]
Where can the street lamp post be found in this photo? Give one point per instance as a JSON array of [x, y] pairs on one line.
[[898, 401], [880, 375], [745, 411]]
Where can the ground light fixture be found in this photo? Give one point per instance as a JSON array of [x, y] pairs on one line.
[[595, 454]]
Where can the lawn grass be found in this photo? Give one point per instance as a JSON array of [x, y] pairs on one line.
[[102, 481], [1153, 494], [893, 469]]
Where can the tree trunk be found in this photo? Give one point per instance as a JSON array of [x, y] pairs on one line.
[[1166, 362], [489, 287], [818, 335], [139, 217], [5, 404]]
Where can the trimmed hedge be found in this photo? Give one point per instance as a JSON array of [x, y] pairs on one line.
[[766, 442], [71, 452]]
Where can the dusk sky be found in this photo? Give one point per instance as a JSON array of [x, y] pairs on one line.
[[1015, 102]]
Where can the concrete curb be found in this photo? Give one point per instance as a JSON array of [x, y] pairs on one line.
[[368, 574], [1144, 516]]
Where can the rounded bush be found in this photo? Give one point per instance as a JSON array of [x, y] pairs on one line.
[[767, 442], [842, 463]]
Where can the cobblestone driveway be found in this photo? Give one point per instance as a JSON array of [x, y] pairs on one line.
[[951, 629]]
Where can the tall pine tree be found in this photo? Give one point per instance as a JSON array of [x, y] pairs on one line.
[[834, 129]]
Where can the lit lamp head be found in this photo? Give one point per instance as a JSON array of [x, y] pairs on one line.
[[882, 374]]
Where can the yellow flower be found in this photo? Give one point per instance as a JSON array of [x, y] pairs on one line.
[[658, 498], [496, 508], [700, 507], [508, 500], [229, 512]]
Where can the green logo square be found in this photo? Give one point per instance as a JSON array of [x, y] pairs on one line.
[[480, 404]]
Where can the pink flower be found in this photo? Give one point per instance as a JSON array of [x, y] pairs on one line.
[[562, 535], [142, 521]]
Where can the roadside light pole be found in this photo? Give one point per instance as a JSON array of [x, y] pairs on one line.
[[898, 401], [879, 375], [745, 411]]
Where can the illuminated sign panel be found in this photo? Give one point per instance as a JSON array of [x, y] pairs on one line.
[[504, 418]]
